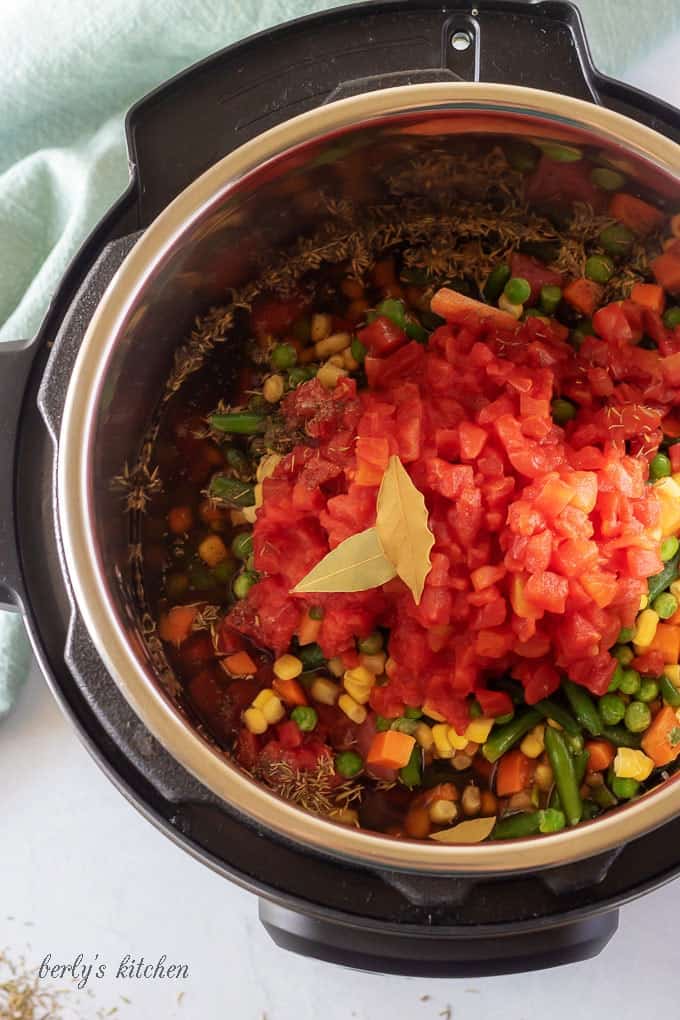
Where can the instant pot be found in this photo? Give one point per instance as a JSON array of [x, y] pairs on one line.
[[226, 160]]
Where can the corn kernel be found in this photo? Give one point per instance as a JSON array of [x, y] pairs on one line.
[[287, 667], [320, 327], [507, 306], [333, 344], [461, 761], [350, 362], [668, 493], [324, 691], [457, 741], [630, 764], [374, 663], [353, 711], [675, 589], [645, 628], [423, 735], [442, 812], [479, 729], [553, 724], [427, 709], [335, 667], [274, 710], [533, 744], [328, 375], [358, 683], [272, 391], [644, 602], [440, 735], [673, 674], [543, 777], [263, 697], [345, 816], [212, 550], [254, 720]]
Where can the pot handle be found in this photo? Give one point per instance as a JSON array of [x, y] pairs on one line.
[[432, 955], [16, 358]]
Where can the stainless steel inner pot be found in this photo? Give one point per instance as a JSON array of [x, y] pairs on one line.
[[211, 237]]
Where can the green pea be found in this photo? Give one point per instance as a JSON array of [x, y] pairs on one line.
[[283, 356], [348, 764], [563, 411], [623, 654], [550, 298], [305, 716], [382, 724], [637, 717], [669, 547], [243, 583], [649, 691], [660, 467], [404, 725], [176, 585], [495, 282], [316, 613], [608, 180], [242, 545], [413, 713], [296, 376], [225, 571], [665, 605], [561, 153], [671, 317], [624, 789], [625, 634], [612, 709], [599, 268], [358, 351], [372, 644], [521, 156], [617, 677], [517, 290], [616, 239], [630, 682]]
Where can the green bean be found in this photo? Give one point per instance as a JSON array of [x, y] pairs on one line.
[[495, 282], [528, 824], [237, 460], [581, 765], [669, 692], [504, 737], [550, 297], [358, 351], [243, 423], [550, 710], [590, 810], [411, 774], [659, 582], [560, 153], [608, 180], [231, 490], [311, 657], [415, 331], [564, 772], [620, 737], [603, 796], [583, 707]]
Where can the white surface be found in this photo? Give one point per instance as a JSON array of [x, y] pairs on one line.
[[82, 872]]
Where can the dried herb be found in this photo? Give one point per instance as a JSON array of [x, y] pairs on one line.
[[474, 830], [357, 564], [402, 527]]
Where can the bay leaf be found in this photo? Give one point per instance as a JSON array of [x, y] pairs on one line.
[[357, 564], [474, 830], [402, 526]]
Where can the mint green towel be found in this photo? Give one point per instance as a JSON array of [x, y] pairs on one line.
[[69, 70]]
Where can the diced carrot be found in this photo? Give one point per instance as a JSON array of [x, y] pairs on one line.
[[584, 295], [667, 641], [308, 629], [180, 519], [666, 269], [462, 310], [240, 664], [662, 740], [290, 691], [600, 755], [175, 626], [674, 620], [514, 773], [391, 749], [649, 295], [442, 791], [640, 217]]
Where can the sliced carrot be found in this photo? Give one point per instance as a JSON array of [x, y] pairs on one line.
[[514, 773], [662, 740], [308, 629], [240, 664], [175, 626], [390, 748], [667, 641], [290, 691], [666, 269], [600, 755], [584, 295], [458, 308], [640, 217], [649, 295]]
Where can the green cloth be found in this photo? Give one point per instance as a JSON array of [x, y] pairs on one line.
[[69, 70]]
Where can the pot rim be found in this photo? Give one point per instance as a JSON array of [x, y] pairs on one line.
[[75, 498]]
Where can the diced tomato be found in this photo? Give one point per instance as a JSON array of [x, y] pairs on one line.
[[382, 336], [612, 325], [563, 182], [536, 273], [494, 703]]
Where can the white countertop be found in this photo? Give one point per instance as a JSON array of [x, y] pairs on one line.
[[82, 872]]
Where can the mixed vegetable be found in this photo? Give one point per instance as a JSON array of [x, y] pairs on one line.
[[424, 567]]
